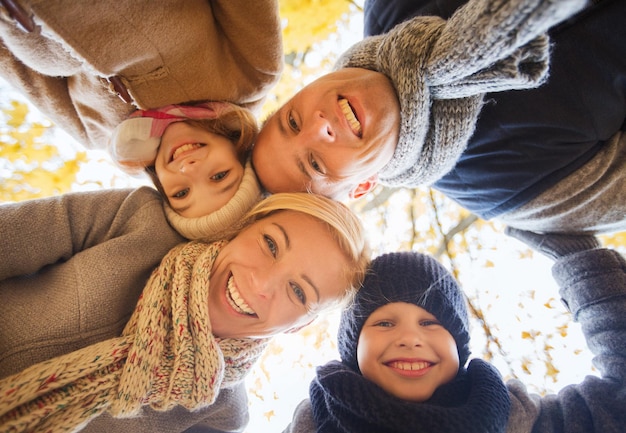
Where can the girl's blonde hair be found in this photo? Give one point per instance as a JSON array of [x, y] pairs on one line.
[[344, 226]]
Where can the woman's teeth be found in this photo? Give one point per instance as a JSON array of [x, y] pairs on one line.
[[235, 300], [347, 111], [185, 148]]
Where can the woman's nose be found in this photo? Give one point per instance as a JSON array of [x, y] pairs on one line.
[[264, 283]]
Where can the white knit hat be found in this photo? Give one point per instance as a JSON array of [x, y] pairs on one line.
[[216, 225], [442, 69]]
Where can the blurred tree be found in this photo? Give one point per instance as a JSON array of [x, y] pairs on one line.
[[518, 323]]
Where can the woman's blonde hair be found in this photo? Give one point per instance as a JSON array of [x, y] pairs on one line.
[[344, 226]]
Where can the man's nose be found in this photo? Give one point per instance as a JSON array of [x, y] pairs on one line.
[[322, 127]]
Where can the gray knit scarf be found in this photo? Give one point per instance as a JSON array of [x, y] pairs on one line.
[[442, 69]]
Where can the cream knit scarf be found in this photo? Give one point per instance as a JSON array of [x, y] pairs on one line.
[[166, 356], [442, 69]]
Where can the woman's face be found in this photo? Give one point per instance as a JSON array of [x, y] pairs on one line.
[[198, 170], [406, 351], [275, 276]]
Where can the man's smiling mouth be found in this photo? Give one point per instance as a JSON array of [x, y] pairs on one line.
[[235, 300], [348, 113]]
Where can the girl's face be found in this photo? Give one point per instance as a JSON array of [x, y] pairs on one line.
[[275, 276], [198, 170], [406, 351]]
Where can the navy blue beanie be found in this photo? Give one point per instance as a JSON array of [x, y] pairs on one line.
[[406, 277]]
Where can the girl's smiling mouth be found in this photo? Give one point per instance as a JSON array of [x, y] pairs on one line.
[[183, 148]]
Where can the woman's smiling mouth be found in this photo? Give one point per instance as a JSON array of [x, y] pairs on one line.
[[235, 300]]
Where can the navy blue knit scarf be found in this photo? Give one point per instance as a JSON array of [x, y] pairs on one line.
[[343, 401]]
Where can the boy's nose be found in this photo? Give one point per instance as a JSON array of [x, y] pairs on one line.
[[409, 338], [322, 128]]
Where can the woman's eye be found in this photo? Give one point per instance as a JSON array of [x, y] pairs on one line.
[[292, 123], [182, 193], [271, 245], [219, 176], [297, 290]]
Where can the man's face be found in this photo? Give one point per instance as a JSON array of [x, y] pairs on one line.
[[334, 134]]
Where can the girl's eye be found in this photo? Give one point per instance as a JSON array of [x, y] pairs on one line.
[[271, 245], [219, 176], [292, 123], [299, 293], [182, 193]]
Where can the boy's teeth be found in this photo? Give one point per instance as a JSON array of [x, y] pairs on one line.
[[235, 300], [185, 148], [402, 365], [354, 123]]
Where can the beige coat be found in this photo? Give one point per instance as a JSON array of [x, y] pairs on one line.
[[72, 268], [163, 52]]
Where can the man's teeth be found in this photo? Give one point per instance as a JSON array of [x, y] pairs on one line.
[[185, 148], [354, 123], [402, 365], [235, 300]]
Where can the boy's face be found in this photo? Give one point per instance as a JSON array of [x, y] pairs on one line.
[[275, 276], [333, 135], [198, 170], [404, 350]]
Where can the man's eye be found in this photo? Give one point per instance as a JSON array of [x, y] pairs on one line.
[[297, 290], [219, 176], [271, 245], [182, 193], [316, 166], [292, 122]]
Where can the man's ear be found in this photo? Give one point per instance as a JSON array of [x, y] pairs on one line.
[[364, 187], [298, 328]]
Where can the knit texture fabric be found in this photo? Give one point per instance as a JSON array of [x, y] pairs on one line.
[[405, 277], [166, 356], [343, 401], [442, 69], [216, 225]]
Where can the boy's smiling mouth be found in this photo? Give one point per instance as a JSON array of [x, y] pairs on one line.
[[235, 300]]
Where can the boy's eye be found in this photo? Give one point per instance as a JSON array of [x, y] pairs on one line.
[[221, 175], [429, 322], [292, 122], [182, 193], [271, 245], [297, 290], [384, 324]]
